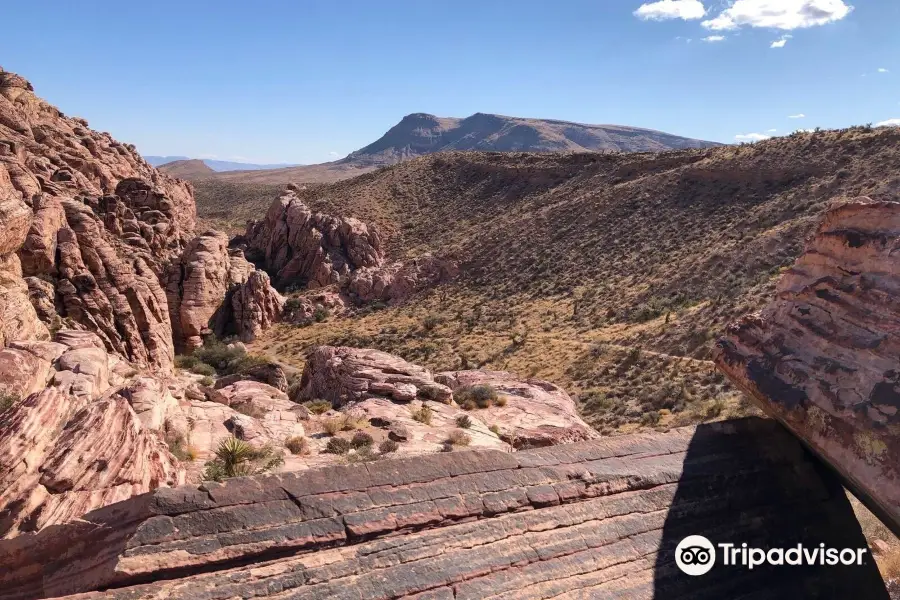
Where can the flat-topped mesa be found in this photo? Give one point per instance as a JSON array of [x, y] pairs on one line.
[[823, 357], [592, 519], [300, 246]]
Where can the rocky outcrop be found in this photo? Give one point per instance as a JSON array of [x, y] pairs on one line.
[[72, 442], [532, 412], [593, 519], [342, 375], [822, 357], [255, 306], [198, 284], [93, 220], [398, 281], [112, 291], [299, 246]]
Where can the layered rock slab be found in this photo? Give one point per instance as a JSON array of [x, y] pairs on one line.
[[823, 356], [592, 519]]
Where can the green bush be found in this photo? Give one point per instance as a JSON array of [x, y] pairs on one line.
[[185, 361], [361, 439], [200, 368], [320, 314], [337, 445], [463, 421], [7, 400], [207, 381], [482, 396], [318, 407], [650, 418]]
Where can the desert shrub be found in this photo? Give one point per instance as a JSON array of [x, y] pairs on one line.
[[320, 314], [351, 422], [463, 421], [207, 381], [714, 409], [333, 425], [362, 455], [318, 407], [237, 458], [423, 414], [337, 445], [200, 368], [7, 400], [494, 429], [458, 437], [297, 445], [388, 446], [179, 447], [361, 439], [446, 447], [430, 322], [650, 418], [501, 401], [185, 361], [467, 404], [482, 396], [215, 353]]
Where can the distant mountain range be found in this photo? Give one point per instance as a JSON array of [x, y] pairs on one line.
[[217, 166], [419, 133]]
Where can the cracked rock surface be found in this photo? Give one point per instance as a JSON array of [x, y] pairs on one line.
[[595, 519]]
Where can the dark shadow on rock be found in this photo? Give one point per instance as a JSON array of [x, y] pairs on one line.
[[755, 484]]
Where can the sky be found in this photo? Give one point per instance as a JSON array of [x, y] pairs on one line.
[[308, 81]]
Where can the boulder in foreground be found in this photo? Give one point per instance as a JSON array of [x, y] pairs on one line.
[[823, 357]]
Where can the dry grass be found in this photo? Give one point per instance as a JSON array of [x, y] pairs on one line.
[[572, 262]]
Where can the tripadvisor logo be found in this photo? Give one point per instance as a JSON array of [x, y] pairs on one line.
[[696, 555]]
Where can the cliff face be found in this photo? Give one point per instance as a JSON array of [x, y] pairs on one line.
[[822, 357]]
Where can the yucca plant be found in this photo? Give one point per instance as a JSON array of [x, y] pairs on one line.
[[237, 458]]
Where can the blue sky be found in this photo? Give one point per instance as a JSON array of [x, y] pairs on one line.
[[307, 81]]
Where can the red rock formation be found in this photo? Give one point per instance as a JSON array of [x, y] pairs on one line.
[[597, 519], [823, 357], [342, 375], [398, 281], [74, 445], [300, 246], [255, 306], [534, 412], [198, 284], [93, 219]]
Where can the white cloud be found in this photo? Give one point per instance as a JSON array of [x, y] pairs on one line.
[[751, 137], [332, 153], [779, 14], [671, 9], [883, 70], [714, 38], [771, 131], [780, 43], [889, 123], [797, 116]]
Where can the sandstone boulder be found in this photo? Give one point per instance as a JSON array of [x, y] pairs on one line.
[[822, 357], [534, 412], [342, 375], [300, 246]]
